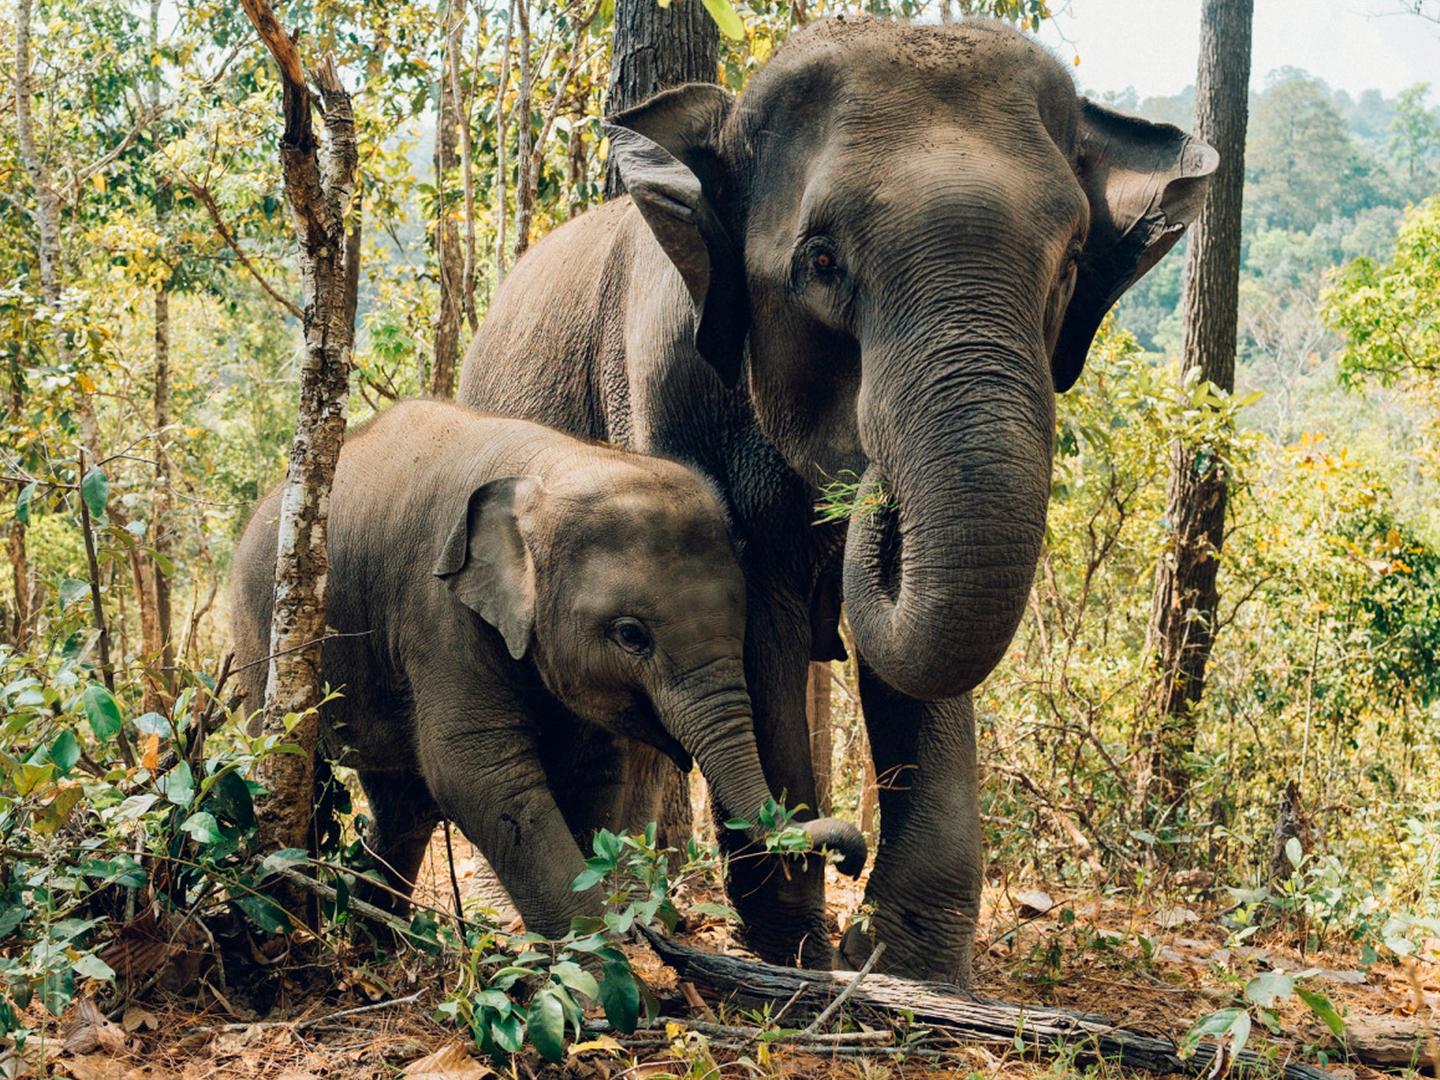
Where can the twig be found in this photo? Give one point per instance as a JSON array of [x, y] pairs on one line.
[[207, 200], [831, 1009], [301, 1025], [358, 906], [454, 881]]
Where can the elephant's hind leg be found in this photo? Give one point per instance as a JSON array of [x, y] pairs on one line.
[[403, 817]]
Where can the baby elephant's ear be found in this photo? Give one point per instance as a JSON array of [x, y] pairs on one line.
[[487, 564]]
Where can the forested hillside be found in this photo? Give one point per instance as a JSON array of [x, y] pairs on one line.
[[152, 337]]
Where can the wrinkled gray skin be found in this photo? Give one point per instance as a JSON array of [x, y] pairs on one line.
[[886, 257], [531, 615]]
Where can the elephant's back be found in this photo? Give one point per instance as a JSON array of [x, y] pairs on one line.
[[539, 354]]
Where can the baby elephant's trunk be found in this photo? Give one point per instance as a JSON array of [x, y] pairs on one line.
[[719, 731]]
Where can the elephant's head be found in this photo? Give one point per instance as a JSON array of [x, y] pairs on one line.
[[617, 577], [913, 233]]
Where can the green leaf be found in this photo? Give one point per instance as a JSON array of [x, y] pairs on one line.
[[547, 1025], [203, 827], [95, 490], [1224, 1022], [279, 860], [263, 912], [1270, 988], [135, 807], [508, 1032], [576, 978], [1294, 852], [620, 996], [73, 590], [726, 19], [91, 966], [231, 797], [65, 751], [153, 723], [1321, 1006], [22, 504], [103, 712], [586, 879], [179, 784]]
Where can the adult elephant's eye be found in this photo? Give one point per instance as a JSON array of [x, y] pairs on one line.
[[824, 262], [632, 636]]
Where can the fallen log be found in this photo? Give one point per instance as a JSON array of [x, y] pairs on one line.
[[1388, 1042], [958, 1012]]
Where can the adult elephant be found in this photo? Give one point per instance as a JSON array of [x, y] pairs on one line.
[[882, 261]]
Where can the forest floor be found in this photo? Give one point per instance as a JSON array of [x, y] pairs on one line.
[[1149, 965]]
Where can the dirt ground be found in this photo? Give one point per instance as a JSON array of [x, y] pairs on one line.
[[1154, 967]]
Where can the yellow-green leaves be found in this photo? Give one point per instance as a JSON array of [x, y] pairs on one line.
[[726, 19]]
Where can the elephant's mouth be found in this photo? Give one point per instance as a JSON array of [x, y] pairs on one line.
[[639, 722]]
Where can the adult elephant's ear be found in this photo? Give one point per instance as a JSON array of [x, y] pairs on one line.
[[486, 562], [666, 152], [1146, 182]]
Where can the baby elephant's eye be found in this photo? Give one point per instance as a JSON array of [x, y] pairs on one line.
[[632, 636]]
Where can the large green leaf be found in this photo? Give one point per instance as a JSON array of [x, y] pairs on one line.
[[179, 784], [203, 827], [103, 712], [65, 751], [576, 978], [1269, 989], [95, 490], [1321, 1006], [547, 1025], [620, 996]]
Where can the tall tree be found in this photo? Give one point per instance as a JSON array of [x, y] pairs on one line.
[[449, 259], [1183, 609], [319, 183], [654, 48]]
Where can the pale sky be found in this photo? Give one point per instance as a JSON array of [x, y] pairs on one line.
[[1152, 44]]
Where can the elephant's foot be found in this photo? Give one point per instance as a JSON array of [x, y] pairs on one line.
[[807, 946], [933, 945]]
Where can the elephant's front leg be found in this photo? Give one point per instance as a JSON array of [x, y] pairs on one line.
[[484, 770], [782, 903], [924, 892]]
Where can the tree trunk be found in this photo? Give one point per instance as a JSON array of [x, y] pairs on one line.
[[1182, 619], [319, 183], [817, 716], [654, 49], [47, 216], [449, 257], [19, 555], [160, 540], [524, 195]]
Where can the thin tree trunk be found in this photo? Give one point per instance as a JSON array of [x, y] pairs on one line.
[[1182, 619], [47, 216], [822, 742], [319, 184], [163, 506], [654, 49], [502, 123], [449, 258], [19, 554], [524, 196], [164, 501], [464, 99]]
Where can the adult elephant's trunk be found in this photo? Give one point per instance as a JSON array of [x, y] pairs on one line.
[[942, 546], [719, 731]]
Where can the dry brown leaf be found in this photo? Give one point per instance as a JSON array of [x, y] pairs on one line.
[[451, 1062], [232, 1043], [86, 1030], [137, 1018], [100, 1067]]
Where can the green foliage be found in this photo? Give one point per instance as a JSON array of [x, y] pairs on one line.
[[515, 989], [1389, 312]]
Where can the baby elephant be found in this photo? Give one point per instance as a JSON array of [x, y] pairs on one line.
[[525, 616]]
